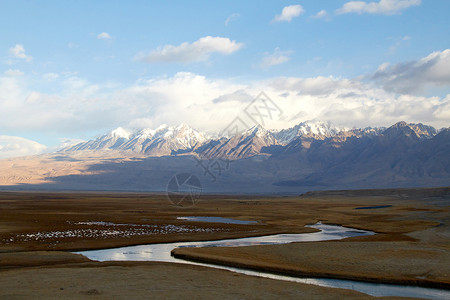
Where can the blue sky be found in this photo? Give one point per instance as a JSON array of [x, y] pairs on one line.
[[75, 69]]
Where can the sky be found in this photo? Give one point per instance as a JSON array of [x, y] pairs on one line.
[[73, 70]]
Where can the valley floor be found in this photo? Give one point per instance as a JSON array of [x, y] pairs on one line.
[[412, 245]]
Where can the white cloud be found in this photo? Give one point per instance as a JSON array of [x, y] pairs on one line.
[[321, 14], [50, 76], [398, 42], [316, 86], [414, 76], [383, 67], [288, 13], [199, 50], [66, 142], [238, 96], [12, 146], [104, 36], [351, 103], [35, 111], [12, 72], [231, 18], [210, 104], [385, 7], [185, 97], [275, 58], [18, 51]]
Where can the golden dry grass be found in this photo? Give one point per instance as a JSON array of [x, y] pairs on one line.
[[413, 233]]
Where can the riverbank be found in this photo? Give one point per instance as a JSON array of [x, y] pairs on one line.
[[128, 280], [412, 222], [404, 263]]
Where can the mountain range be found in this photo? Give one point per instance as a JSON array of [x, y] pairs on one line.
[[183, 139], [318, 138], [308, 156]]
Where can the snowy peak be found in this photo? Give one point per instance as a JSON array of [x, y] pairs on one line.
[[247, 144], [423, 130], [368, 131], [415, 131], [316, 129], [160, 141], [257, 130], [166, 140], [120, 133], [258, 135], [144, 134], [185, 136], [182, 139]]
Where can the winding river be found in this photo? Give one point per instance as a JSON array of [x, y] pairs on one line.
[[162, 253]]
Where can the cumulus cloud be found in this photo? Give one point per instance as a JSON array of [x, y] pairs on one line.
[[199, 50], [414, 76], [186, 97], [316, 86], [12, 72], [104, 36], [12, 146], [350, 103], [321, 14], [18, 51], [385, 7], [239, 96], [66, 142], [288, 13], [208, 104], [232, 18], [32, 110], [50, 76], [82, 106], [275, 58]]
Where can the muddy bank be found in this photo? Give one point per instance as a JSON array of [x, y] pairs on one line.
[[406, 263], [153, 281], [29, 221], [32, 264]]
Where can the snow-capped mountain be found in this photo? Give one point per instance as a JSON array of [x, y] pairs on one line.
[[403, 155], [112, 140], [307, 129], [164, 140], [182, 139], [246, 144], [413, 131]]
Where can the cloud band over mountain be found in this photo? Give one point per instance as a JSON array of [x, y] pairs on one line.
[[210, 104]]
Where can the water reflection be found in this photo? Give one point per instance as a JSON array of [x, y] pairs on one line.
[[161, 253]]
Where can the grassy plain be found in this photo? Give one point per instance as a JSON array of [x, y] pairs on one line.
[[412, 244]]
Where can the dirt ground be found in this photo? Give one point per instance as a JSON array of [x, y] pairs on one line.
[[35, 229], [407, 263], [153, 281], [412, 247]]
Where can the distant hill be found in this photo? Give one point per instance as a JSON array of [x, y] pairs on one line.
[[308, 156]]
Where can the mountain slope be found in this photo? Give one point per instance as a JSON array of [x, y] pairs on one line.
[[164, 140], [246, 144], [403, 155], [306, 129]]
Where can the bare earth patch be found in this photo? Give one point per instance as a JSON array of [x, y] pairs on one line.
[[153, 281]]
